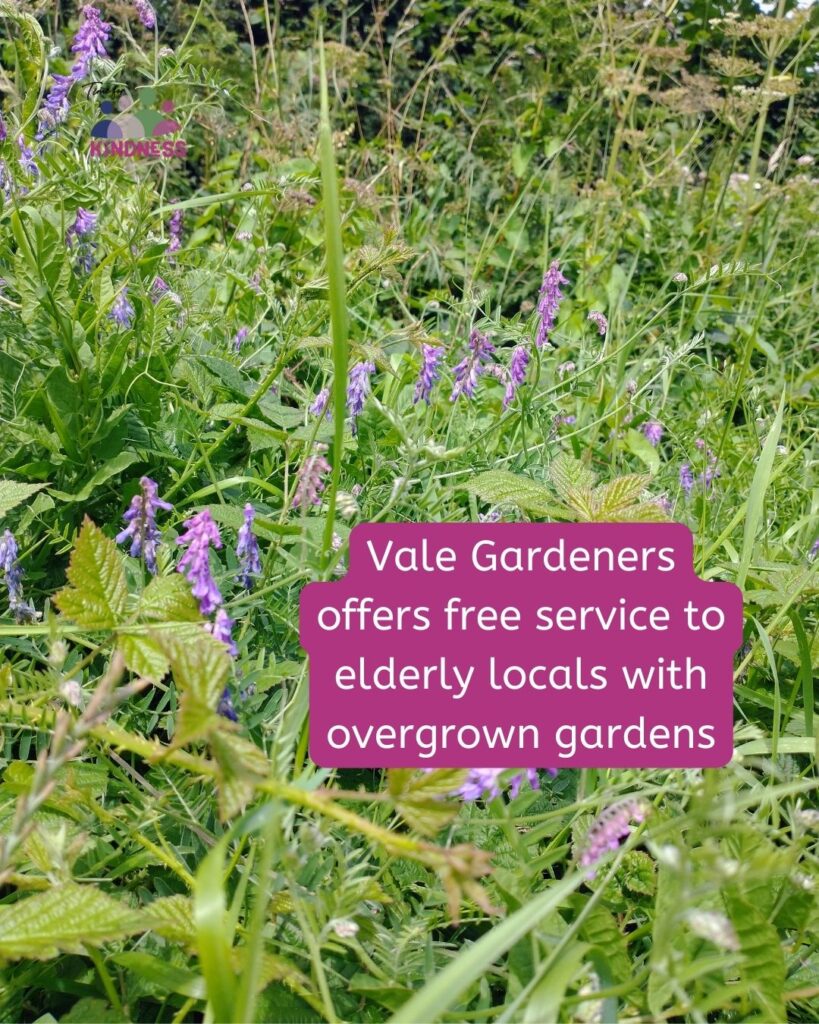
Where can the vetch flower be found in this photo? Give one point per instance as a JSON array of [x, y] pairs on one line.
[[358, 387], [319, 404], [310, 484], [90, 40], [27, 158], [159, 288], [608, 829], [517, 373], [122, 312], [566, 368], [549, 302], [247, 550], [431, 356], [3, 129], [84, 225], [21, 609], [686, 477], [472, 366], [145, 13], [653, 432], [142, 530], [240, 337], [201, 533], [225, 706], [485, 782], [814, 550], [222, 629], [56, 106], [599, 320], [174, 229]]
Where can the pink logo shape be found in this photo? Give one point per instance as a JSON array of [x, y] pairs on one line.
[[553, 645]]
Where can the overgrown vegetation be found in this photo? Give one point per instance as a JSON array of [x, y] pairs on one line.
[[331, 313]]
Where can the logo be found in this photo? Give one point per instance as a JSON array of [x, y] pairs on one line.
[[137, 131]]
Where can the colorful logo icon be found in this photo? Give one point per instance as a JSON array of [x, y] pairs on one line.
[[136, 129]]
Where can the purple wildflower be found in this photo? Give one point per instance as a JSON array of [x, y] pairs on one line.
[[3, 129], [814, 550], [83, 226], [90, 40], [222, 629], [517, 373], [174, 229], [431, 356], [27, 158], [564, 368], [599, 320], [309, 483], [358, 388], [247, 550], [686, 477], [606, 831], [145, 13], [56, 106], [122, 312], [549, 302], [240, 337], [195, 563], [482, 782], [141, 519], [567, 421], [159, 288], [21, 609], [653, 432], [225, 707], [84, 223], [319, 405], [471, 367]]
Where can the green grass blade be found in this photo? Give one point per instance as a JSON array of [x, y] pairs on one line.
[[212, 938], [756, 497], [337, 289], [436, 997]]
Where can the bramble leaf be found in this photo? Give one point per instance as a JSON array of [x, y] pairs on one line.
[[97, 594], [13, 493]]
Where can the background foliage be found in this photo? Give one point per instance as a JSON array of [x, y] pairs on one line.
[[160, 862]]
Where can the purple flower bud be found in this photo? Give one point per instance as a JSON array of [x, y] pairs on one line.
[[431, 356], [549, 302], [565, 368], [145, 13], [310, 484], [240, 337], [653, 432], [485, 782], [606, 832], [517, 373], [686, 477], [56, 106], [319, 405], [600, 320], [142, 530], [90, 40], [21, 609], [814, 550], [159, 288], [27, 158], [84, 223], [247, 550], [472, 366], [358, 388], [3, 129], [195, 563], [225, 707], [222, 629], [122, 312]]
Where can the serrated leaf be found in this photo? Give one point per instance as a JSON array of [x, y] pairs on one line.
[[763, 961], [418, 797], [200, 667], [171, 917], [619, 495], [581, 501], [168, 599], [567, 474], [241, 765], [143, 656], [13, 493], [499, 486], [63, 920], [97, 594]]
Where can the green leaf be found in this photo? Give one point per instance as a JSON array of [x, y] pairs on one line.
[[168, 599], [499, 486], [113, 467], [417, 797], [763, 961], [13, 493], [97, 593], [200, 667], [171, 917], [619, 496], [638, 444], [567, 474], [143, 656], [756, 496], [545, 1001], [63, 920], [241, 766]]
